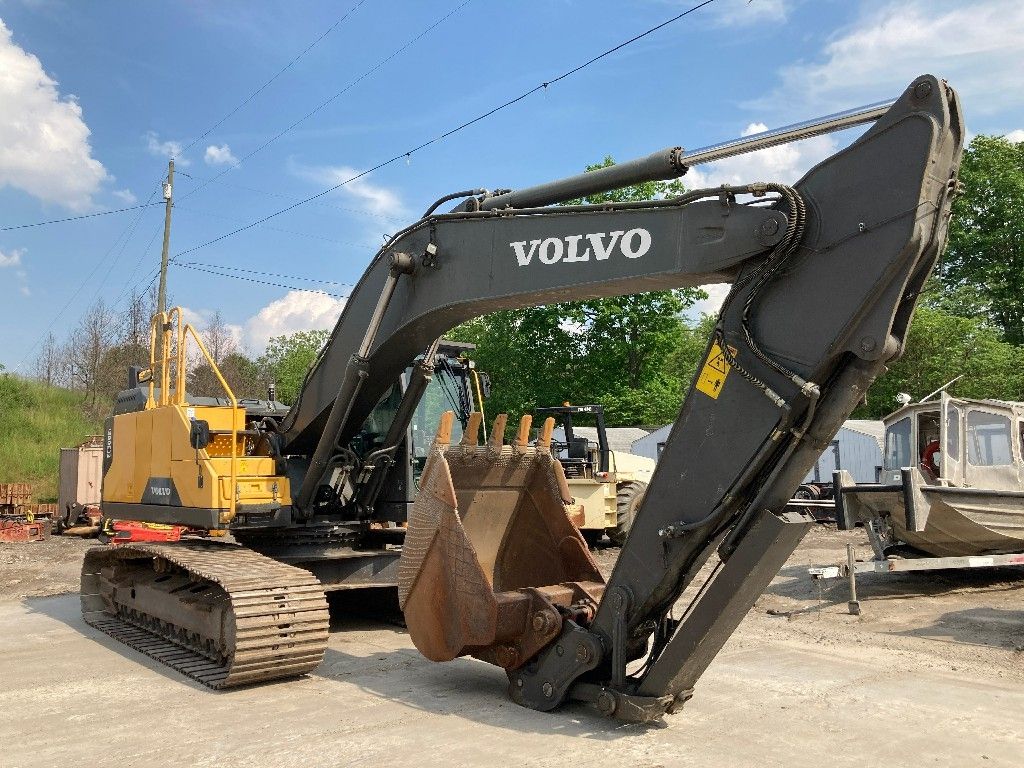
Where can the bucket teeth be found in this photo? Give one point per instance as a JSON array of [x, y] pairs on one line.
[[498, 431], [523, 435], [472, 433], [444, 429], [544, 439]]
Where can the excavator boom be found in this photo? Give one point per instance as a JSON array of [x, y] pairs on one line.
[[825, 278]]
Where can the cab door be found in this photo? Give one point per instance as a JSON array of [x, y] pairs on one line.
[[951, 427]]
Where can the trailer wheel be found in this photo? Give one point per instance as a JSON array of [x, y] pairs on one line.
[[627, 501]]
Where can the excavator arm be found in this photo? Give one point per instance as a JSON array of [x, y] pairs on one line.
[[825, 276]]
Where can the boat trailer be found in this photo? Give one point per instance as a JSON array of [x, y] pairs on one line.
[[852, 567]]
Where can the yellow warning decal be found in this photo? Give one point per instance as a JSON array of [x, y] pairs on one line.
[[716, 368]]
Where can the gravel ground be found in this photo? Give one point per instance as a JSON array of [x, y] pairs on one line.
[[932, 673], [38, 568]]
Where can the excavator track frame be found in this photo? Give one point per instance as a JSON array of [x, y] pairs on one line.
[[277, 617]]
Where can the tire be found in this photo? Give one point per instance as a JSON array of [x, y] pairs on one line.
[[627, 501]]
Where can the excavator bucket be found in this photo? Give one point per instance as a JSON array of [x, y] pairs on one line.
[[492, 563]]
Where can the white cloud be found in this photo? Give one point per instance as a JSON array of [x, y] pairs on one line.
[[736, 13], [219, 155], [976, 46], [126, 196], [167, 148], [785, 163], [44, 142], [709, 306], [11, 258], [1016, 136], [295, 311], [370, 197]]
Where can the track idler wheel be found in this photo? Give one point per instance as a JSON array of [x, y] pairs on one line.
[[492, 564]]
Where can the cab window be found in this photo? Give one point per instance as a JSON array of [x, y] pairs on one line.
[[988, 439], [897, 445]]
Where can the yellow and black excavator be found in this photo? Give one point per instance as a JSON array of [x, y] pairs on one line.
[[825, 275]]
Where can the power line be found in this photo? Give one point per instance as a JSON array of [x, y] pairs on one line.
[[446, 134], [138, 263], [265, 274], [275, 229], [344, 90], [277, 74], [128, 230], [77, 218], [256, 280], [134, 224], [284, 196], [120, 253]]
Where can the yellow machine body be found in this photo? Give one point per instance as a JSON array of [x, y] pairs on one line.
[[152, 464], [152, 472]]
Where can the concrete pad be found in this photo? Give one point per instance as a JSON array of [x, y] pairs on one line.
[[72, 696]]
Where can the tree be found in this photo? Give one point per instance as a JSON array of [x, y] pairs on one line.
[[532, 356], [288, 358], [241, 373], [942, 346], [86, 351], [218, 338], [49, 361], [983, 268]]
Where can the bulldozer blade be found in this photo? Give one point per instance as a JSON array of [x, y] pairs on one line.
[[491, 561]]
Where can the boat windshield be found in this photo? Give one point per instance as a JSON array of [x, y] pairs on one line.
[[897, 445], [988, 439]]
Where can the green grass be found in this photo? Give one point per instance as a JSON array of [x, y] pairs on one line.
[[36, 421]]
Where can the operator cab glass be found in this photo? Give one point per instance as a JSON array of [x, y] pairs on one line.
[[442, 395]]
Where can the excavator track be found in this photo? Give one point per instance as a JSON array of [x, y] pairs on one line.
[[220, 614]]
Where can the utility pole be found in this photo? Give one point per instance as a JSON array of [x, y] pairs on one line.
[[161, 302]]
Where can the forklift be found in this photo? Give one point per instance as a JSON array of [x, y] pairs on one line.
[[607, 486]]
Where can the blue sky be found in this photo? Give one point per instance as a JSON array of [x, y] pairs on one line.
[[94, 95]]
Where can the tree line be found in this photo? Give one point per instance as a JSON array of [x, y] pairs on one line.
[[94, 358]]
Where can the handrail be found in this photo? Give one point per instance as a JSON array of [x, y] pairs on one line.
[[159, 316], [162, 325], [179, 369], [188, 329]]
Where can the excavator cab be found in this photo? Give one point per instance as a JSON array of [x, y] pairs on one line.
[[456, 386]]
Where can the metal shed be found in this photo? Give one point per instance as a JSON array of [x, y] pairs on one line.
[[856, 448], [651, 444]]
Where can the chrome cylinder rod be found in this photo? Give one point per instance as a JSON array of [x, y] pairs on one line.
[[673, 162], [795, 132]]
